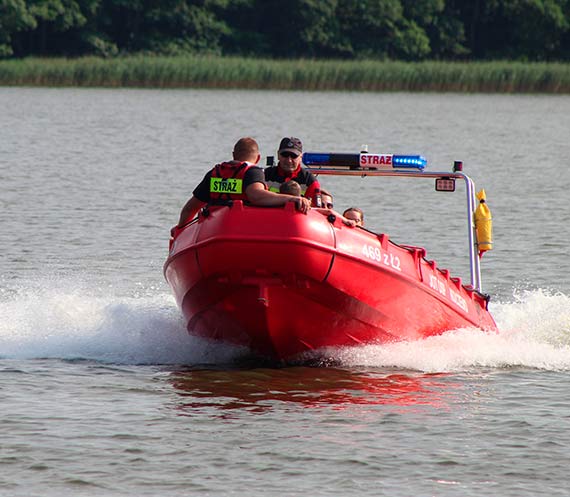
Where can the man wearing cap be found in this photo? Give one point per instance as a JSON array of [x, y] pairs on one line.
[[238, 179], [289, 168]]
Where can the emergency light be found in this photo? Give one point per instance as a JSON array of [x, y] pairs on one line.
[[318, 159], [414, 161], [365, 160], [445, 185]]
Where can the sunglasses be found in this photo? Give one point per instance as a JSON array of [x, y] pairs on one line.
[[328, 205], [290, 155]]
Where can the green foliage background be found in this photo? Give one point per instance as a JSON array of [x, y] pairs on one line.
[[405, 30]]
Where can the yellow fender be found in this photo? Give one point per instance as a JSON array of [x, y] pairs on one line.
[[483, 224]]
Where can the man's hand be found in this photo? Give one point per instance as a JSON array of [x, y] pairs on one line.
[[302, 204]]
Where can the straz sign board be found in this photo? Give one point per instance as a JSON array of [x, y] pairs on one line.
[[376, 161], [225, 185]]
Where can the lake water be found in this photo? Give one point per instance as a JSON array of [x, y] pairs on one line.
[[102, 391]]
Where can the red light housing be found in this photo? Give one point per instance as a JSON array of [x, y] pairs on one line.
[[445, 185]]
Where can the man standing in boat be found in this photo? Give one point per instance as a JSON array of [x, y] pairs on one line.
[[238, 179], [289, 168]]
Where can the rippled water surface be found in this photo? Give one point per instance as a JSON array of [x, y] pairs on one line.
[[104, 394]]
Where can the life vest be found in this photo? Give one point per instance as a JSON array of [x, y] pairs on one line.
[[226, 181], [483, 224], [310, 186]]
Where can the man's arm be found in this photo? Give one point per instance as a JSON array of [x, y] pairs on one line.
[[312, 189], [258, 195], [328, 212], [190, 210]]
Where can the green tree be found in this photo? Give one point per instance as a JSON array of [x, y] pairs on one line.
[[517, 29], [369, 27], [187, 26], [441, 24], [410, 42], [167, 26], [379, 29], [246, 36], [536, 28], [56, 28], [14, 17], [300, 28]]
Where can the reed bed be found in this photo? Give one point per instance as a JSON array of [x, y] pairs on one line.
[[303, 74]]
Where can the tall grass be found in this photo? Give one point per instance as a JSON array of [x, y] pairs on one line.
[[304, 74]]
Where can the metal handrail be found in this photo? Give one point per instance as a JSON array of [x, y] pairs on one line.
[[474, 262]]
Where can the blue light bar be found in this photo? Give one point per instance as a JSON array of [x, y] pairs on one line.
[[364, 161], [327, 159], [409, 161]]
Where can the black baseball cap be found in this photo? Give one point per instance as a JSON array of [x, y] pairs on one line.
[[291, 144]]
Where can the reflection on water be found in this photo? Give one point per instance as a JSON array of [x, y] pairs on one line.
[[258, 390]]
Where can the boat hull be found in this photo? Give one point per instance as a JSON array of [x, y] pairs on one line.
[[284, 284]]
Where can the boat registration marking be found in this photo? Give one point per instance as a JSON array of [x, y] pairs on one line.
[[458, 300], [437, 285], [440, 286], [375, 254]]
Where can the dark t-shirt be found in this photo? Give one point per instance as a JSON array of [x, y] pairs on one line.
[[310, 185], [252, 175], [301, 176]]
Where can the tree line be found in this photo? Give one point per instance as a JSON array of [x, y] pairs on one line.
[[408, 30]]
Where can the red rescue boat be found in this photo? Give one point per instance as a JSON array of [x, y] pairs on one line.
[[286, 285]]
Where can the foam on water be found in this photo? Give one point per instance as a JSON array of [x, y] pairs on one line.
[[72, 320], [534, 332], [69, 320]]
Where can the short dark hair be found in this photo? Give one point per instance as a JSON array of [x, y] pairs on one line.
[[290, 188], [324, 192], [246, 149], [355, 209]]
